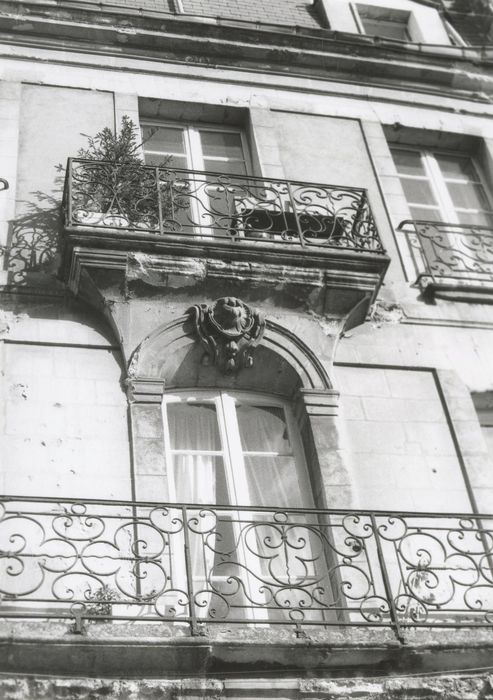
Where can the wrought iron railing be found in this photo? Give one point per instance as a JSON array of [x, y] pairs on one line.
[[189, 565], [453, 252], [173, 202]]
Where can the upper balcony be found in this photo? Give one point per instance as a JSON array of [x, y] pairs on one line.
[[287, 232]]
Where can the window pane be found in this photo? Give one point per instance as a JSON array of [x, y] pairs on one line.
[[476, 219], [408, 163], [199, 479], [231, 167], [263, 429], [386, 28], [418, 191], [420, 213], [163, 139], [193, 426], [222, 144], [456, 167], [273, 481], [160, 159], [467, 195]]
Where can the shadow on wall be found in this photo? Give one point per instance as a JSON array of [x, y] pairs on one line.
[[32, 251]]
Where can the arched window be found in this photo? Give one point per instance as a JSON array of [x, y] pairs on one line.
[[234, 448]]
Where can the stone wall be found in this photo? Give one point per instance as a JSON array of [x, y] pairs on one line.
[[64, 416], [434, 687]]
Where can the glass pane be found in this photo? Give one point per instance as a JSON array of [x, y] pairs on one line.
[[193, 426], [273, 481], [456, 167], [222, 144], [420, 213], [466, 195], [408, 162], [199, 479], [161, 159], [477, 219], [263, 429], [386, 28], [418, 191], [230, 167], [163, 139]]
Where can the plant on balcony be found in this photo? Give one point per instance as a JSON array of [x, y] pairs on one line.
[[101, 601], [111, 186]]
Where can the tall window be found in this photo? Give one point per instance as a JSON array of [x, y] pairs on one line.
[[203, 204], [443, 187], [196, 147], [242, 452]]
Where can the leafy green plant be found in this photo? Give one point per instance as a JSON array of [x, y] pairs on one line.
[[113, 183], [101, 601]]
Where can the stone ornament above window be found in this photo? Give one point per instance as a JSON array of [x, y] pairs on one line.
[[229, 330]]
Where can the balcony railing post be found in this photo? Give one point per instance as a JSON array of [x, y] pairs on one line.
[[68, 191], [159, 202], [394, 620], [295, 212], [194, 628], [359, 214]]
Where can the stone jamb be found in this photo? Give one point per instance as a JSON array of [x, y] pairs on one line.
[[147, 439], [317, 415]]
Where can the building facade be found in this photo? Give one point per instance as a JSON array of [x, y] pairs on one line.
[[246, 325]]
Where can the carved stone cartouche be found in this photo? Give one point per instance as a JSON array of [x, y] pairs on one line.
[[229, 330]]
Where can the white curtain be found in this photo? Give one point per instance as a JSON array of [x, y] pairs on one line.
[[272, 480], [196, 476], [275, 481]]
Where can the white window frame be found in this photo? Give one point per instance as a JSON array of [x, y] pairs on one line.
[[232, 452], [361, 27], [438, 184], [425, 24], [194, 156], [193, 146]]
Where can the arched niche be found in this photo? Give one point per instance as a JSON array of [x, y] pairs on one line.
[[283, 364], [172, 357]]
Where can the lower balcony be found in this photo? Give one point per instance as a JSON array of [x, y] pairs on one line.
[[452, 260], [194, 567]]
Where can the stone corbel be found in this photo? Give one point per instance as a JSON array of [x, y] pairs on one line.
[[316, 402], [145, 390]]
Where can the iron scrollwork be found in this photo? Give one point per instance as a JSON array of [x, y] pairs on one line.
[[243, 209], [453, 253], [190, 565]]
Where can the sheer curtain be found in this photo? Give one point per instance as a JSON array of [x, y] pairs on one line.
[[271, 470], [194, 435], [193, 429], [275, 479]]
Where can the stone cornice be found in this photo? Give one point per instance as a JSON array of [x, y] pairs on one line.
[[175, 38], [151, 261]]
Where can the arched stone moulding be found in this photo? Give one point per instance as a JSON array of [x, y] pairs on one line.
[[156, 358], [171, 358]]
